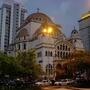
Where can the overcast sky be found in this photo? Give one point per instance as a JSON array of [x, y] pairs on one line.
[[63, 12]]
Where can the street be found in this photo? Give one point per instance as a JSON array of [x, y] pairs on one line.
[[63, 88]]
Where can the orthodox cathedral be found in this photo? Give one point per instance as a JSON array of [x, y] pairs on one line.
[[46, 37]]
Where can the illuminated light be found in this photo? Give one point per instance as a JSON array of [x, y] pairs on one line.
[[49, 29], [44, 30], [18, 79], [85, 16]]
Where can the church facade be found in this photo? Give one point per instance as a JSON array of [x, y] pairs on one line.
[[45, 36]]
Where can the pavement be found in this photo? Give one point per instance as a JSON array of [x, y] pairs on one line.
[[63, 88]]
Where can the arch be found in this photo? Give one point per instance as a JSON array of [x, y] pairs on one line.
[[64, 42], [49, 69], [58, 66]]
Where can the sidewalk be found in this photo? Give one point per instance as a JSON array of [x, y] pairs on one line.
[[63, 88]]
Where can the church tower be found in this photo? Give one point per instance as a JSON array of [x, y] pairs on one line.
[[76, 40]]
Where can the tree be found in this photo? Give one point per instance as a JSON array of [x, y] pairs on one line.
[[27, 61], [8, 65], [79, 63]]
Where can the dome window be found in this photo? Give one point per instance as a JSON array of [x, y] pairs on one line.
[[40, 19], [36, 18]]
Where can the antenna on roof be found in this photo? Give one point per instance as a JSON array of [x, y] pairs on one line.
[[38, 10]]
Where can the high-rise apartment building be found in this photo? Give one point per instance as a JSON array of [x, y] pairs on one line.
[[12, 15], [84, 28]]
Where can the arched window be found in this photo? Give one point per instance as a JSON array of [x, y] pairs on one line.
[[58, 66], [69, 49], [58, 54], [24, 46], [51, 53], [39, 54], [61, 54], [66, 55], [58, 47], [46, 53], [66, 47], [75, 40], [49, 69], [63, 47]]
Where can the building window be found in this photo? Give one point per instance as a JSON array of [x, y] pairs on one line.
[[24, 38], [66, 47], [46, 53], [49, 69], [51, 53], [40, 61], [75, 40], [61, 54], [39, 54], [18, 46], [24, 46], [58, 47], [40, 19], [58, 53], [66, 55], [36, 18], [63, 47], [19, 39]]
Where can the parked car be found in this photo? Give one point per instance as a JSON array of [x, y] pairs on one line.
[[66, 81], [57, 83], [43, 83], [39, 83]]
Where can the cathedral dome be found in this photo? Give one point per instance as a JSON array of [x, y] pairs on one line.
[[38, 17]]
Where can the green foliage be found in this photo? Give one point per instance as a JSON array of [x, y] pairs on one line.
[[24, 63], [80, 62], [8, 65], [27, 61]]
